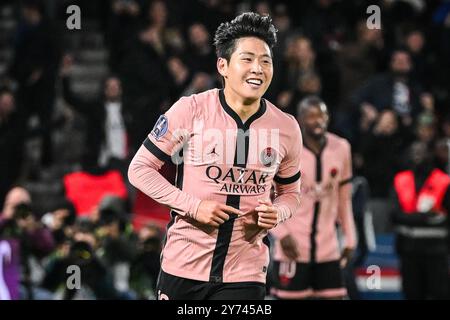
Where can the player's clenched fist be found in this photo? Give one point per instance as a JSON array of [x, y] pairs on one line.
[[267, 214], [214, 213]]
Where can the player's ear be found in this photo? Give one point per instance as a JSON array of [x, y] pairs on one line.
[[327, 118], [222, 67]]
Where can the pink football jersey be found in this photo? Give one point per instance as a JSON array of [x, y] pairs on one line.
[[325, 200], [225, 160]]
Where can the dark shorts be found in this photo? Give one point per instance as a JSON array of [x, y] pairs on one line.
[[171, 287], [293, 280]]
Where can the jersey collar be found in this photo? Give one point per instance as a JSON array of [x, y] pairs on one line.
[[235, 116]]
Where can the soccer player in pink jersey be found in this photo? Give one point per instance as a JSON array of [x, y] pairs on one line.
[[307, 258], [230, 146]]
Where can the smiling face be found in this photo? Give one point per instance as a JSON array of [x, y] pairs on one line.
[[314, 121], [249, 71]]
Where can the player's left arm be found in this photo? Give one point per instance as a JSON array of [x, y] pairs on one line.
[[345, 211], [287, 183]]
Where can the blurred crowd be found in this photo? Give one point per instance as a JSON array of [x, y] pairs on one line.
[[385, 88]]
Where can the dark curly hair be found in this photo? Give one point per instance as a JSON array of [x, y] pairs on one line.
[[248, 24]]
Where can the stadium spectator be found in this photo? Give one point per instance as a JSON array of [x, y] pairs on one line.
[[34, 67], [307, 258], [12, 141], [107, 118], [395, 90], [204, 262], [421, 202], [146, 266], [19, 222], [380, 150]]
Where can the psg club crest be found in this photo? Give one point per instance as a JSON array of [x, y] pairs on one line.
[[333, 173], [268, 157], [160, 127]]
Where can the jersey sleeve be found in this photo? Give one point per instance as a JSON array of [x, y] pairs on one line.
[[345, 211], [168, 135], [287, 179]]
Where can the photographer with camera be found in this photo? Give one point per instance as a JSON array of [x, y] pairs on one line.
[[146, 266], [118, 242], [96, 280], [60, 221], [18, 222]]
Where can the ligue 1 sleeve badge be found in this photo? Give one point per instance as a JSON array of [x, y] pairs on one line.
[[268, 157], [160, 127]]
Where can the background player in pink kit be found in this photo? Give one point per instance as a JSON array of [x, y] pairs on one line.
[[235, 145], [307, 261]]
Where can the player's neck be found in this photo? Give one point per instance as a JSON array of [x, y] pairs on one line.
[[315, 144], [244, 109]]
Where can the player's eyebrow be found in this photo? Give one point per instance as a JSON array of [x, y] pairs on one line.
[[252, 54]]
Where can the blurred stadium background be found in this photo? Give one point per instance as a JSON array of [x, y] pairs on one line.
[[144, 55]]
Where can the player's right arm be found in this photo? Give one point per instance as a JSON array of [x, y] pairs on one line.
[[171, 131]]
